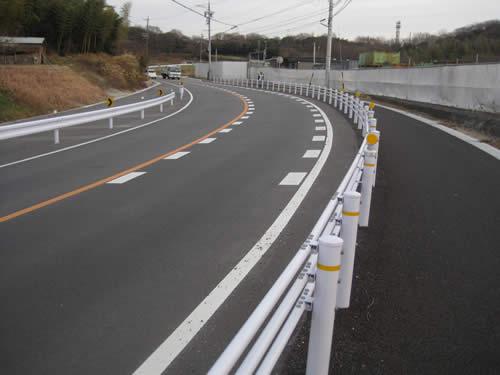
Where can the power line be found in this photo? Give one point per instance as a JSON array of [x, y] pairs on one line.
[[201, 14], [272, 14]]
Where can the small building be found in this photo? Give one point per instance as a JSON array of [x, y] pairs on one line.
[[22, 50]]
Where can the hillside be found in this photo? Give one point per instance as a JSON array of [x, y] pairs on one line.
[[73, 81]]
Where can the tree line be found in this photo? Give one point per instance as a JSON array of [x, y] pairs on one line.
[[68, 26]]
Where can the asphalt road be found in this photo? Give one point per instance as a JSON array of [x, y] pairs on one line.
[[94, 276], [426, 292]]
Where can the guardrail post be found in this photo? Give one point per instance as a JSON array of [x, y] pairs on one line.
[[330, 96], [284, 86], [356, 109], [324, 94], [289, 87], [267, 85], [349, 233], [312, 91], [307, 90], [142, 114], [161, 107], [323, 312], [341, 101], [373, 140], [56, 136], [366, 187], [111, 122], [335, 98], [346, 103], [351, 105], [319, 93], [301, 89], [295, 89]]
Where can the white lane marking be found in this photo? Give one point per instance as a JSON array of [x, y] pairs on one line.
[[126, 178], [245, 117], [309, 106], [311, 154], [319, 121], [227, 130], [237, 122], [316, 115], [293, 178], [177, 155], [320, 128], [249, 113], [206, 141], [313, 110], [161, 358], [251, 106], [318, 138], [466, 138], [101, 138]]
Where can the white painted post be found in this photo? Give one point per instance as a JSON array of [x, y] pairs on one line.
[[366, 187], [284, 86], [295, 90], [351, 105], [356, 109], [301, 89], [324, 94], [346, 103], [181, 90], [56, 136], [348, 233], [341, 101], [330, 98], [312, 91], [335, 98], [142, 114], [319, 92], [372, 144], [323, 312], [172, 102], [267, 85], [111, 122], [307, 90]]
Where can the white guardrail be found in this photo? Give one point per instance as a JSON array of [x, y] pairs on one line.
[[56, 123], [319, 276]]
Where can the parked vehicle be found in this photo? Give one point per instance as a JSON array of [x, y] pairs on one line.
[[171, 72], [151, 73]]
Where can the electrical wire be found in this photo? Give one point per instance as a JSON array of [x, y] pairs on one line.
[[202, 14]]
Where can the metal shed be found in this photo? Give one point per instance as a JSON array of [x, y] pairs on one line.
[[22, 50]]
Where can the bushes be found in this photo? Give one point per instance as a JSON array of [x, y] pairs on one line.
[[120, 72]]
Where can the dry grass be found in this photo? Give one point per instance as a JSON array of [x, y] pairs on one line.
[[45, 88], [121, 72]]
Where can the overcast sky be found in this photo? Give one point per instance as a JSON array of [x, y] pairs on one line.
[[360, 17]]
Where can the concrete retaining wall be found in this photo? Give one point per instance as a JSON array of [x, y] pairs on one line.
[[471, 87]]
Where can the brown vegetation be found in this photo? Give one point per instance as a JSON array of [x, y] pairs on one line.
[[42, 89]]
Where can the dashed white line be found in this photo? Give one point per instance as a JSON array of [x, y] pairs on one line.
[[293, 178], [237, 122], [245, 117], [249, 113], [316, 115], [227, 130], [126, 178], [318, 138], [320, 128], [311, 154], [177, 155], [207, 141], [313, 110], [319, 121]]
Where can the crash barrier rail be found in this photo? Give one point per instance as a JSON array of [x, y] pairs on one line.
[[319, 276], [360, 111], [56, 123]]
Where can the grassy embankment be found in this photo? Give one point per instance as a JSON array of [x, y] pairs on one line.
[[28, 90]]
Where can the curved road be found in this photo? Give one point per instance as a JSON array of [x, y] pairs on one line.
[[108, 247]]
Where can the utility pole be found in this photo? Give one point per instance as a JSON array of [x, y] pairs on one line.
[[208, 16], [314, 53], [329, 44], [201, 45], [265, 50], [147, 41]]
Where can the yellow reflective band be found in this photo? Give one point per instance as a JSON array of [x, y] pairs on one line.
[[369, 165], [328, 268], [350, 213]]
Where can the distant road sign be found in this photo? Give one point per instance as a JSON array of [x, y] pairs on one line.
[[109, 101]]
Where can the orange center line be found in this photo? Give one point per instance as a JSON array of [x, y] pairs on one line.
[[103, 181]]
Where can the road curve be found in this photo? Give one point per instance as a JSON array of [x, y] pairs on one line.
[[96, 282]]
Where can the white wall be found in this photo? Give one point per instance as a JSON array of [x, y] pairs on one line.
[[474, 87], [227, 69]]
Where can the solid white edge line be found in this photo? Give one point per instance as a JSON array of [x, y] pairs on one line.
[[455, 133], [126, 178], [101, 138], [169, 349]]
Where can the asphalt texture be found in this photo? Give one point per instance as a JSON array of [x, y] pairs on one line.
[[95, 282], [426, 291]]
